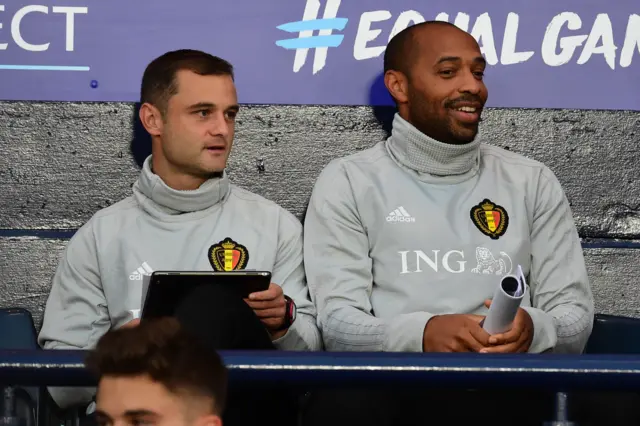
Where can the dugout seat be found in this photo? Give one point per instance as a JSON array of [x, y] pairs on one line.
[[19, 402]]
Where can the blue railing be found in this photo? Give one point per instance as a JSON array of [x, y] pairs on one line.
[[309, 370]]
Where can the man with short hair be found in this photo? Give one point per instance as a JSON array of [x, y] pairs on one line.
[[184, 214], [406, 242], [157, 374]]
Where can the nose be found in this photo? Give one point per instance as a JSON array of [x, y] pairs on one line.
[[219, 125], [471, 83]]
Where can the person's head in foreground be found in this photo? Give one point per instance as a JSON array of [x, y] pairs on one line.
[[157, 374], [434, 71]]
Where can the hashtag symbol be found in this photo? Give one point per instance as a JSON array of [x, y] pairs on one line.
[[307, 40]]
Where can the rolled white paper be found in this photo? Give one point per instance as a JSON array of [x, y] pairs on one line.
[[505, 303]]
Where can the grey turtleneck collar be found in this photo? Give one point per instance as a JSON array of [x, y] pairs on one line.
[[424, 155], [157, 198]]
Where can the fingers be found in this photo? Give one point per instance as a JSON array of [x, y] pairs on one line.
[[509, 337], [471, 337], [269, 305], [519, 346], [475, 318], [266, 304], [515, 347], [266, 295], [479, 335], [501, 349], [513, 334], [270, 313], [272, 293], [470, 342]]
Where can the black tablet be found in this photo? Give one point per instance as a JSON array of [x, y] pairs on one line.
[[168, 288]]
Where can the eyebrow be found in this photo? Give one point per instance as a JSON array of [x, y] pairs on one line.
[[478, 59], [105, 416], [137, 413], [209, 105]]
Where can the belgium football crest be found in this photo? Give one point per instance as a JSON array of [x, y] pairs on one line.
[[228, 255], [491, 219]]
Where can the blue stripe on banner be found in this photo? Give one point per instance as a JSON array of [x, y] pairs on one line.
[[311, 42], [314, 24], [44, 67]]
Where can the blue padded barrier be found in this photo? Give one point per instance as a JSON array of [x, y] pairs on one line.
[[319, 369]]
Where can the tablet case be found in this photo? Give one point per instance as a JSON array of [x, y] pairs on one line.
[[163, 291]]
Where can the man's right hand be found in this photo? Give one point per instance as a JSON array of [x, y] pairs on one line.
[[454, 333]]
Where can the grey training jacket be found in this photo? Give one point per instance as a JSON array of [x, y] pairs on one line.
[[388, 245], [98, 283]]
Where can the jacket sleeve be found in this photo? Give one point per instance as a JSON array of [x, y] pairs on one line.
[[303, 335], [339, 272], [562, 301], [76, 313]]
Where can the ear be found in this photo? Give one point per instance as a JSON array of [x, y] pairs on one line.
[[210, 420], [151, 119], [397, 85]]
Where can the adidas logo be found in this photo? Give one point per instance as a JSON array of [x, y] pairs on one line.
[[400, 215], [143, 269]]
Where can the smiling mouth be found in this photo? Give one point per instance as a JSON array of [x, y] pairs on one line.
[[467, 109], [467, 114]]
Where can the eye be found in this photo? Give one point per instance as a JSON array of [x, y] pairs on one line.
[[143, 421], [231, 115], [446, 72], [479, 74], [139, 422], [102, 420]]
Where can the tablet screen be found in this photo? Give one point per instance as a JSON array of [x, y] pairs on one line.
[[167, 289]]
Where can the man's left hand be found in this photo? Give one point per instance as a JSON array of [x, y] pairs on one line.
[[517, 339], [270, 307]]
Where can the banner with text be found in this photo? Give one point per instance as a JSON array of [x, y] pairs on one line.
[[541, 54]]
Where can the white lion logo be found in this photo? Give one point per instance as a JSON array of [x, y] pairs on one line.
[[488, 264]]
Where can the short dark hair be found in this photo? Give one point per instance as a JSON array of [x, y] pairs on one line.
[[162, 350], [400, 54], [159, 78]]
